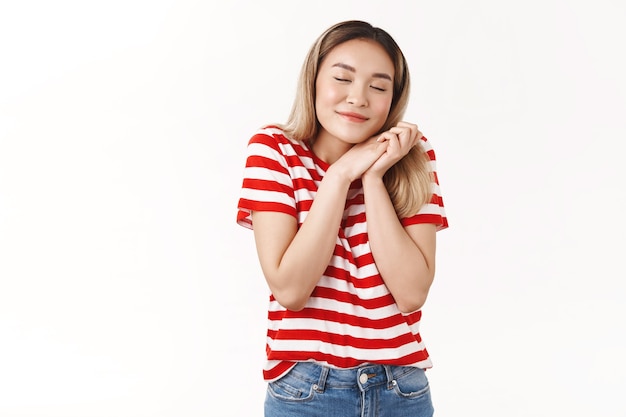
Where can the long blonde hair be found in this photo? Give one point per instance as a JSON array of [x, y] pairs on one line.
[[409, 181]]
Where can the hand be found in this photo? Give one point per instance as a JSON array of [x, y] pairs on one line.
[[360, 158], [400, 139]]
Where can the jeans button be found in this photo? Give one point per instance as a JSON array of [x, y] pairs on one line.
[[363, 378]]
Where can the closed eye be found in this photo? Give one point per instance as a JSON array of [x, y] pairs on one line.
[[341, 79], [378, 88]]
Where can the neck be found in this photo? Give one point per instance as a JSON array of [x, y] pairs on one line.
[[329, 149]]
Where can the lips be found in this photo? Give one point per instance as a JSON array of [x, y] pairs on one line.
[[353, 117]]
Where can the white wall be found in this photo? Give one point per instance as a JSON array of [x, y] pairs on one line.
[[128, 290]]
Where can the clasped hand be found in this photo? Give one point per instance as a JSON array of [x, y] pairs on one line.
[[376, 155]]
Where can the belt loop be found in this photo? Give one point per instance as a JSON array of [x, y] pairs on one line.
[[390, 378], [321, 383]]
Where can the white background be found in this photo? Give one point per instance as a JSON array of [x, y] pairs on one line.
[[128, 290]]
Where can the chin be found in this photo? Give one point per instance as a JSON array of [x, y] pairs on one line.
[[353, 138]]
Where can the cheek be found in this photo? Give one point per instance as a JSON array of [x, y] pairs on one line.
[[382, 107], [328, 94]]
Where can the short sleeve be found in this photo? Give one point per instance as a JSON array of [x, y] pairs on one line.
[[434, 211], [267, 185]]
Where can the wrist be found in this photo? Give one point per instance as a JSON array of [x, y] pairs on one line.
[[370, 178], [338, 175]]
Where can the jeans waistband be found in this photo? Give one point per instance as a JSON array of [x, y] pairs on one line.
[[363, 377]]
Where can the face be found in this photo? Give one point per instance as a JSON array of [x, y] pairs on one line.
[[354, 90]]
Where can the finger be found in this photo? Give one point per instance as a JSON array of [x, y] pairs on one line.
[[411, 126], [416, 134], [393, 145], [387, 136], [406, 135], [400, 130]]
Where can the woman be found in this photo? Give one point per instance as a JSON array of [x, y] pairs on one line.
[[345, 204]]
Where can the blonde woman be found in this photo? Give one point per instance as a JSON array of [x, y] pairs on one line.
[[345, 204]]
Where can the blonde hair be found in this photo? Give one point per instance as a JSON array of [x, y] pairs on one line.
[[409, 181]]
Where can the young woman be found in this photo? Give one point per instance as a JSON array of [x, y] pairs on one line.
[[344, 202]]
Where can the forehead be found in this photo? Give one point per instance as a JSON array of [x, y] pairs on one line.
[[364, 55]]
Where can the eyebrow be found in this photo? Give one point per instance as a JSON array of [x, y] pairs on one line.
[[352, 69]]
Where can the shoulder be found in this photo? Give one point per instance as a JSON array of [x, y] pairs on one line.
[[271, 135], [272, 140], [427, 146]]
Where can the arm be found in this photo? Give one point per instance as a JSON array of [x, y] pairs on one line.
[[404, 256], [292, 259]]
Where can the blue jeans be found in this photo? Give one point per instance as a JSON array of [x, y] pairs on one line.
[[311, 390]]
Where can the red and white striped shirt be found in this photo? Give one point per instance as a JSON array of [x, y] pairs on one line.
[[351, 317]]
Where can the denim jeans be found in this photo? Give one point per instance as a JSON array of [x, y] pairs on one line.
[[311, 390]]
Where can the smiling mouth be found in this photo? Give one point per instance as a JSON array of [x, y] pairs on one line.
[[353, 117]]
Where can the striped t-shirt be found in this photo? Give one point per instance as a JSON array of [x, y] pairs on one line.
[[351, 317]]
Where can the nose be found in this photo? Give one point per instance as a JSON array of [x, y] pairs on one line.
[[357, 96]]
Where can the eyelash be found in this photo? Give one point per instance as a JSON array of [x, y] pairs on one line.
[[382, 90]]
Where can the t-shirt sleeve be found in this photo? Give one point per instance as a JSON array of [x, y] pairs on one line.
[[434, 211], [267, 184]]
